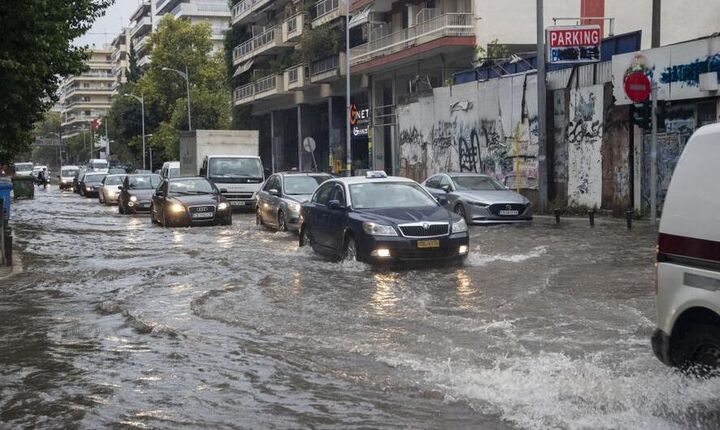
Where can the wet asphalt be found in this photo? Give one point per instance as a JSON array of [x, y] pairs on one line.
[[116, 323]]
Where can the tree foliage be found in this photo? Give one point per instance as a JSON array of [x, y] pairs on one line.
[[320, 42], [35, 51]]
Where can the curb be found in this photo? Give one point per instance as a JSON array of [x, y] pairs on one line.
[[15, 269]]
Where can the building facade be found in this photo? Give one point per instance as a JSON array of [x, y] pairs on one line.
[[141, 25], [121, 56], [214, 12], [88, 96]]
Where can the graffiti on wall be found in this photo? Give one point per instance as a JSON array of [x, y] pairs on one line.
[[584, 140], [689, 73], [466, 131], [669, 148]]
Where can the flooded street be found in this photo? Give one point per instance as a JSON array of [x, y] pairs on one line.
[[116, 323]]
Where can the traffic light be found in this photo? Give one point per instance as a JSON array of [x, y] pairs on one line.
[[642, 115]]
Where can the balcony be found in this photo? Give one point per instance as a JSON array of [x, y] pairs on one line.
[[292, 28], [268, 42], [243, 10], [432, 29], [260, 89], [118, 52], [297, 78], [141, 44], [201, 9], [144, 61], [327, 69], [328, 10], [141, 26]]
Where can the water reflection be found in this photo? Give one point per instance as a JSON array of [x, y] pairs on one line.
[[384, 298], [464, 289]]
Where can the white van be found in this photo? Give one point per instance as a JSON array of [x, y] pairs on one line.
[[170, 169], [98, 165], [688, 258]]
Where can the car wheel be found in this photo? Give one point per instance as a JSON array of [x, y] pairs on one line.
[[460, 210], [699, 350], [228, 221], [305, 237], [350, 252], [101, 199], [281, 222], [258, 217]]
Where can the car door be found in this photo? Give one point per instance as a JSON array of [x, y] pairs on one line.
[[319, 213], [264, 200], [274, 199], [158, 198], [336, 218]]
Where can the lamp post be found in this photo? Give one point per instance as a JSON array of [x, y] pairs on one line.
[[141, 99], [186, 76], [348, 119]]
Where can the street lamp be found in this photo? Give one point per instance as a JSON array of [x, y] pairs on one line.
[[185, 75], [348, 120], [141, 99]]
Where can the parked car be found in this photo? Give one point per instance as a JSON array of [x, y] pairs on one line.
[[281, 196], [66, 177], [90, 184], [480, 199], [76, 180], [189, 201], [381, 219], [136, 193], [170, 169], [688, 260], [110, 189]]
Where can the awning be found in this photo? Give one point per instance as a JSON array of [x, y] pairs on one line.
[[360, 17], [244, 67]]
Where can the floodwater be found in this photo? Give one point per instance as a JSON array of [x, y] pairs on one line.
[[116, 323]]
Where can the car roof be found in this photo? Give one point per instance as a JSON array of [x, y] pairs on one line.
[[172, 163], [116, 174], [69, 167], [364, 180], [131, 175], [303, 174], [184, 178], [466, 174]]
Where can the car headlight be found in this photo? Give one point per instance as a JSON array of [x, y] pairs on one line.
[[294, 207], [88, 188], [222, 206], [177, 208], [374, 229], [460, 226], [133, 198]]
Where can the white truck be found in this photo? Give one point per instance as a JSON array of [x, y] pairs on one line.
[[228, 158]]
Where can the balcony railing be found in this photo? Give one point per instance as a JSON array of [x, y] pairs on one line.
[[450, 24], [244, 8], [325, 7], [324, 65], [253, 46], [140, 25], [263, 87], [293, 27], [296, 77]]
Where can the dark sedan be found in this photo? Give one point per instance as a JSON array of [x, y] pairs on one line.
[[90, 184], [184, 202], [136, 193], [380, 219]]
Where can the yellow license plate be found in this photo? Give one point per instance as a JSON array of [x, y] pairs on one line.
[[434, 243]]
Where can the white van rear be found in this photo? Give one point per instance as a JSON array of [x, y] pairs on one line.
[[688, 259]]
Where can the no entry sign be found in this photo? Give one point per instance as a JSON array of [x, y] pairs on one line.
[[574, 44], [637, 86]]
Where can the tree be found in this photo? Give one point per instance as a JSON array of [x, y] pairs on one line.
[[178, 44], [35, 51], [47, 129], [134, 72]]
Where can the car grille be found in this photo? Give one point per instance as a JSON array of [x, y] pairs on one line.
[[202, 209], [420, 231], [496, 208], [238, 196]]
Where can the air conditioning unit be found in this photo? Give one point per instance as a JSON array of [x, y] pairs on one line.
[[709, 81]]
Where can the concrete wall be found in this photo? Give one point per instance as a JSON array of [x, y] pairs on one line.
[[584, 140], [630, 15]]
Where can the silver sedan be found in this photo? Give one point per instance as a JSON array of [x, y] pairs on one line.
[[480, 199], [109, 189], [279, 200]]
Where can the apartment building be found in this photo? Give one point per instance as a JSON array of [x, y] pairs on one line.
[[121, 56], [141, 24], [88, 96], [215, 12]]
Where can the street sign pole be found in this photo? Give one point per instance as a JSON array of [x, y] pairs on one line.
[[348, 139], [541, 99], [653, 156]]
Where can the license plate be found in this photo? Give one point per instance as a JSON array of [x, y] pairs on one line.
[[237, 203], [509, 213], [202, 215], [433, 243]]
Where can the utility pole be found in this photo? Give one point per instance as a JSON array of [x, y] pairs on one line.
[[348, 138], [186, 76], [653, 156], [656, 24], [141, 99], [541, 99]]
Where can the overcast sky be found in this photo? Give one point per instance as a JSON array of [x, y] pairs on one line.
[[107, 27]]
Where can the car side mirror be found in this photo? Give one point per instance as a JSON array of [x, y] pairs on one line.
[[442, 200], [445, 188], [334, 204], [274, 192], [223, 190], [203, 171]]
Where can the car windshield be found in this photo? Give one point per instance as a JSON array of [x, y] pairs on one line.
[[144, 182], [23, 167], [68, 172], [99, 165], [94, 178], [191, 186], [235, 168], [296, 185], [477, 183], [381, 195], [114, 180]]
